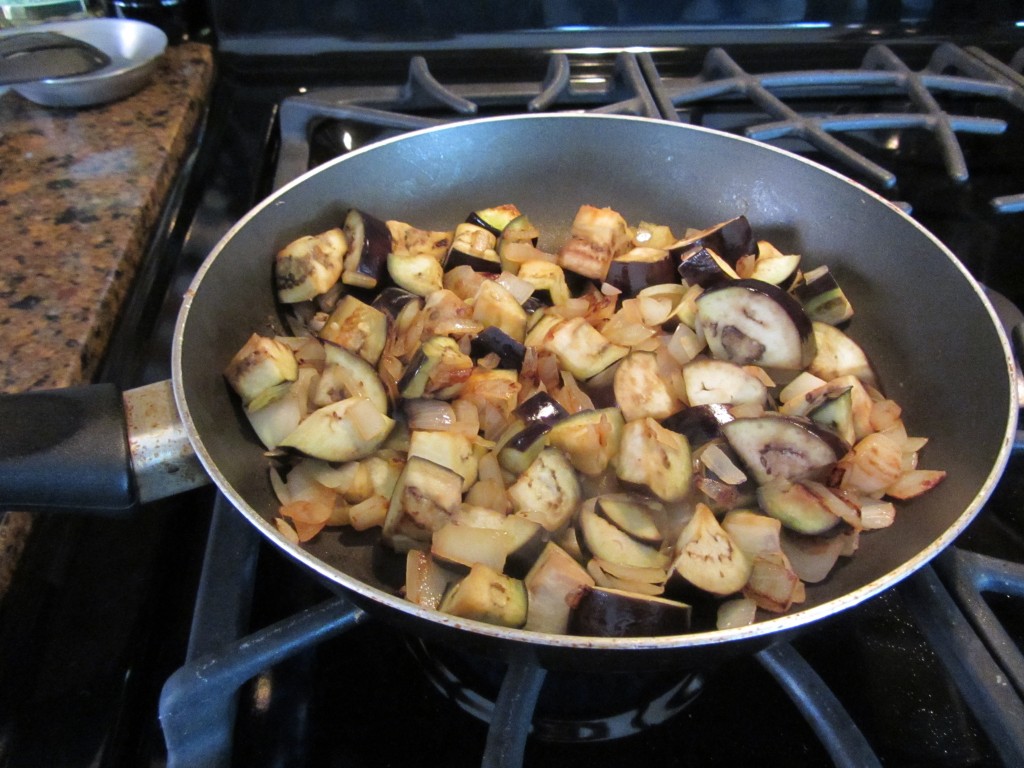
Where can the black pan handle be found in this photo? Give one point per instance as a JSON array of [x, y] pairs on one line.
[[66, 449], [93, 449]]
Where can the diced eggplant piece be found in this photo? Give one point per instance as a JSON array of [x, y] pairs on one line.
[[836, 354], [750, 322], [461, 546], [407, 239], [650, 235], [753, 532], [524, 540], [541, 407], [822, 297], [496, 218], [702, 266], [603, 612], [357, 327], [356, 376], [473, 246], [438, 369], [834, 410], [548, 492], [699, 423], [369, 243], [488, 596], [641, 388], [520, 445], [601, 538], [631, 515], [425, 580], [425, 498], [797, 506], [418, 273], [598, 236], [709, 381], [779, 447], [344, 431], [641, 268], [590, 439], [655, 458], [392, 300], [547, 279], [708, 558], [492, 339], [730, 239], [260, 364], [553, 585], [495, 306], [581, 349], [450, 449], [309, 266]]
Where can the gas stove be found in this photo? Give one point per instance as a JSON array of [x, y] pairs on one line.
[[230, 654]]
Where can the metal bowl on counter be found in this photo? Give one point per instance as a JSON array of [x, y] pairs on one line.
[[134, 48]]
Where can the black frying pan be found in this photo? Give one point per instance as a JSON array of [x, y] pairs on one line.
[[921, 318]]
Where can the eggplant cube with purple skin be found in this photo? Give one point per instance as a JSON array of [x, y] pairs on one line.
[[260, 364], [656, 458], [425, 498]]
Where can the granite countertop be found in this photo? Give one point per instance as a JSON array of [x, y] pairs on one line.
[[80, 192]]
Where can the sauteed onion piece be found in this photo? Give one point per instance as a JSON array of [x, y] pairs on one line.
[[622, 433]]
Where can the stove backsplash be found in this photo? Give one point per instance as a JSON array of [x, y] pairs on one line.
[[262, 27]]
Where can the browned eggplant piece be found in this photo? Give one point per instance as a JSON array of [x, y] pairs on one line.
[[590, 439], [369, 243], [548, 281], [822, 297], [349, 375], [488, 596], [598, 236], [780, 447], [548, 492], [751, 322], [392, 300], [496, 218], [425, 498], [492, 339], [541, 407], [731, 240], [581, 349], [605, 612], [699, 423], [641, 268], [654, 458], [708, 558], [709, 381], [357, 327], [641, 388], [553, 585], [459, 547], [309, 266], [261, 363], [474, 246], [494, 305], [448, 448], [702, 266], [439, 369], [838, 355]]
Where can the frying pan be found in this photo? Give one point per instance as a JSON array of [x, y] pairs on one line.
[[920, 316]]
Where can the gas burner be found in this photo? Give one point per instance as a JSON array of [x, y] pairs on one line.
[[572, 706]]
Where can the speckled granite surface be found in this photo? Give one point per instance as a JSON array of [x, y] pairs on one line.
[[80, 191]]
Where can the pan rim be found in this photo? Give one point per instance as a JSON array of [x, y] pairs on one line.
[[778, 626]]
